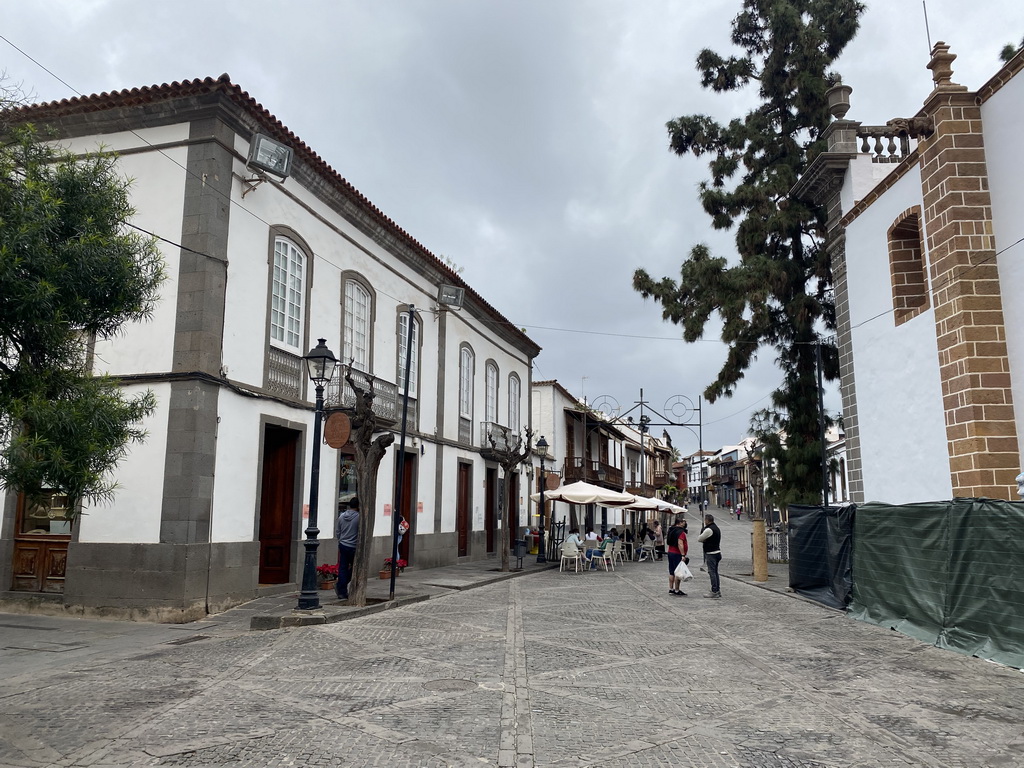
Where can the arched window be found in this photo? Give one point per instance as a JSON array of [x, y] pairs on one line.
[[466, 364], [287, 292], [514, 389], [358, 318], [907, 267], [403, 348], [491, 392]]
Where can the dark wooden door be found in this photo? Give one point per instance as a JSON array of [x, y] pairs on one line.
[[41, 546], [277, 504], [462, 509], [491, 506], [512, 513], [408, 506]]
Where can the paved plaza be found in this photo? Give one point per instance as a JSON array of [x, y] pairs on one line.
[[550, 669]]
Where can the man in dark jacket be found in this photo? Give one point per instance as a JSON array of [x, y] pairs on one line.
[[347, 530], [711, 538]]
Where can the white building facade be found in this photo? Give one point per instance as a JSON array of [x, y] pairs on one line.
[[211, 508], [925, 237]]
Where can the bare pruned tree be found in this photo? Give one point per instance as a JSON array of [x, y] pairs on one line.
[[370, 452], [514, 452]]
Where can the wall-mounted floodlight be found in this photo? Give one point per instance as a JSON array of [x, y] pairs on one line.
[[266, 154], [451, 297]]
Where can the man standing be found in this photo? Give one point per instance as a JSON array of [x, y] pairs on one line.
[[711, 538], [346, 530]]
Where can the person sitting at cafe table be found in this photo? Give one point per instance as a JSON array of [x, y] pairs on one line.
[[574, 537]]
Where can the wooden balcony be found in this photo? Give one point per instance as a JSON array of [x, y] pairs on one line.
[[595, 472]]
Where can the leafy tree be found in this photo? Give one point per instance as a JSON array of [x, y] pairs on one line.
[[778, 294], [1010, 50], [71, 271]]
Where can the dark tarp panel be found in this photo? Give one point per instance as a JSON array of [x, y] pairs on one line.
[[820, 553], [948, 573]]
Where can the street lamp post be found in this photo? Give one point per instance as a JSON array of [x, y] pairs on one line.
[[542, 449], [320, 364]]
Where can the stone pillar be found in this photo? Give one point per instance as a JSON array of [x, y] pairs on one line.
[[975, 372]]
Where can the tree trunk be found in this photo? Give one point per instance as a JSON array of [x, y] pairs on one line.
[[760, 545], [369, 453]]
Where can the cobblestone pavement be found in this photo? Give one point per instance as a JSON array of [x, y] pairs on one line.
[[554, 669]]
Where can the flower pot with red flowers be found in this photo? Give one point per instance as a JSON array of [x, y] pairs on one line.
[[385, 572], [327, 576]]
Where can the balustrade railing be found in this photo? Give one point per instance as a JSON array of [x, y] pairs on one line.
[[284, 373], [892, 142], [339, 394]]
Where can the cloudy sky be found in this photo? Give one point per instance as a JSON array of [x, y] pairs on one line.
[[524, 140]]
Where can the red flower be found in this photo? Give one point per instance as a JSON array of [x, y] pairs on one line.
[[327, 571]]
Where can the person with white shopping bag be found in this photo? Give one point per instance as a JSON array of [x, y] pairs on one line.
[[676, 552]]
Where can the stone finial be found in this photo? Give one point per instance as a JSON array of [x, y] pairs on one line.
[[838, 100], [941, 66]]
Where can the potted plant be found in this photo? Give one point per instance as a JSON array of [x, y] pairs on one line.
[[385, 572], [327, 576]]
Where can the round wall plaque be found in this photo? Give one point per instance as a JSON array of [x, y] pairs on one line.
[[337, 430], [552, 481]]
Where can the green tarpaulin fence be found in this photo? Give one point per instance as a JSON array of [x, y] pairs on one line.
[[947, 573]]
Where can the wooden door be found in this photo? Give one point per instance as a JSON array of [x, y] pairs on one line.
[[41, 546], [512, 512], [408, 506], [491, 506], [462, 510], [277, 504]]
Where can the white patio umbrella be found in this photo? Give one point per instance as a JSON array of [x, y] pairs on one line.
[[587, 493]]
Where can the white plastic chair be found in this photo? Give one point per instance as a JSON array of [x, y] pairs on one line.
[[603, 556], [646, 551], [618, 553], [572, 554]]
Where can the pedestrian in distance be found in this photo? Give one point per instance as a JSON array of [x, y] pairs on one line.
[[677, 549], [711, 538], [739, 511], [346, 529], [659, 540]]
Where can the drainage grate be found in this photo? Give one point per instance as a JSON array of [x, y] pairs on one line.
[[187, 640], [449, 685]]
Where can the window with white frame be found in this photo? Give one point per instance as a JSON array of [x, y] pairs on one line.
[[491, 393], [513, 403], [403, 350], [287, 290], [466, 362], [357, 326]]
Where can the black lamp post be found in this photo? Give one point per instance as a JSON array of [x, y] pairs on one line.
[[320, 363], [601, 475], [542, 449]]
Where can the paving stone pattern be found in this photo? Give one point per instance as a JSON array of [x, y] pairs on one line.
[[573, 670]]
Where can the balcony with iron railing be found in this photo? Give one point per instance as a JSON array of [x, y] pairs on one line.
[[497, 440], [387, 404]]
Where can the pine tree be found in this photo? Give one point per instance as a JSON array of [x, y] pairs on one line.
[[71, 271], [778, 293]]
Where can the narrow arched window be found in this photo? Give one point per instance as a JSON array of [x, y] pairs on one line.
[[514, 395], [466, 363], [491, 393], [907, 267], [287, 292]]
